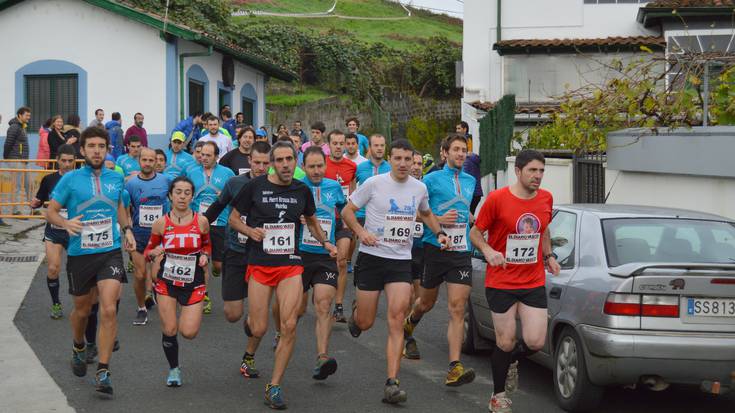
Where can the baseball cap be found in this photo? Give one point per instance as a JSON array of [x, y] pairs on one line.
[[178, 136], [260, 132]]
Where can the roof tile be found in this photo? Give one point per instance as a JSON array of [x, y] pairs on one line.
[[607, 41], [677, 4]]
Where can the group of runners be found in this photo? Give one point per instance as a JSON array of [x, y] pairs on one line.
[[284, 219]]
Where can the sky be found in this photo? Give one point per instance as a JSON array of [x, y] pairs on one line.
[[450, 7]]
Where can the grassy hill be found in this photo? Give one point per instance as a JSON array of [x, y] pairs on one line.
[[399, 34]]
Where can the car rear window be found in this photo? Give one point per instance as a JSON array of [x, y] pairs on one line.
[[668, 240]]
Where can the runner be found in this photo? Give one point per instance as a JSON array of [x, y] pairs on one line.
[[217, 135], [148, 202], [238, 159], [352, 149], [92, 195], [515, 279], [234, 286], [320, 270], [129, 161], [209, 180], [353, 124], [160, 161], [342, 170], [296, 140], [273, 205], [450, 196], [55, 239], [391, 201], [177, 160], [417, 250], [181, 239], [317, 137]]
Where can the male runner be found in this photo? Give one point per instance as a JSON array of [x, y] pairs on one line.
[[129, 161], [352, 149], [317, 137], [55, 238], [209, 180], [177, 159], [234, 286], [274, 204], [160, 165], [391, 203], [216, 135], [320, 270], [343, 171], [148, 202], [92, 196], [515, 280], [417, 251], [238, 159], [353, 124], [450, 196]]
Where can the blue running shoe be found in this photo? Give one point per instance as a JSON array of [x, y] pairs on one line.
[[174, 377], [273, 397], [103, 382], [79, 362], [349, 268]]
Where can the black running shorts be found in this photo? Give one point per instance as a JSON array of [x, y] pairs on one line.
[[57, 236], [234, 266], [217, 238], [318, 269], [84, 271], [417, 262], [441, 266], [373, 272], [500, 301]]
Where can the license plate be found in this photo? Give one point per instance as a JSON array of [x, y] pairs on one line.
[[711, 307]]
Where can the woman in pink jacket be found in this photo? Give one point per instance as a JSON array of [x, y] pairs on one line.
[[44, 152]]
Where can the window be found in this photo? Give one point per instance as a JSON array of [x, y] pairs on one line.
[[562, 230], [50, 95], [224, 98], [196, 97], [247, 110]]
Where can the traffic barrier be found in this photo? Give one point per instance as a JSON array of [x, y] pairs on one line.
[[19, 183]]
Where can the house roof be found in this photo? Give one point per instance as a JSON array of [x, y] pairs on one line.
[[539, 108], [606, 44], [654, 12], [184, 32]]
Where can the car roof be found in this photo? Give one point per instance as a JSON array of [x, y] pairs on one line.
[[606, 211]]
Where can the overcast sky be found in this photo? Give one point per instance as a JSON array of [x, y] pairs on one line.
[[450, 7]]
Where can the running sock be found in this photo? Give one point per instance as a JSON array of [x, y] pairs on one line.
[[171, 349], [248, 356], [454, 363], [143, 309], [53, 288], [78, 347], [103, 366], [413, 320], [338, 306], [91, 332], [521, 351], [500, 362]]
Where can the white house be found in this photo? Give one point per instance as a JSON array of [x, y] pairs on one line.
[[74, 56]]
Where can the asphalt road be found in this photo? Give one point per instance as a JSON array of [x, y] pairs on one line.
[[212, 382]]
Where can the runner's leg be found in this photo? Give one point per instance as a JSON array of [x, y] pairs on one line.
[[80, 313], [109, 293], [167, 314], [289, 295], [424, 303], [141, 278], [366, 307], [343, 253], [505, 340], [457, 295], [190, 320], [398, 296], [534, 323], [53, 256], [259, 299], [234, 310], [323, 296]]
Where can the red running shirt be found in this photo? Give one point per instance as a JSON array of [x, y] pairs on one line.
[[180, 239], [515, 228], [342, 172]]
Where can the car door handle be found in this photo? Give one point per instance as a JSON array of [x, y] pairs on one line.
[[555, 292]]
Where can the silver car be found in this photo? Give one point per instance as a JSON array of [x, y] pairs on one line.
[[645, 296]]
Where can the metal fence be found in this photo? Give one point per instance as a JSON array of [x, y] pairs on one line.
[[589, 178], [381, 120], [19, 183]]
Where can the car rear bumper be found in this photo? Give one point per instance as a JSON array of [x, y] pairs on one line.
[[623, 356]]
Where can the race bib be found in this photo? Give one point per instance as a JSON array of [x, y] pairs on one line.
[[279, 238], [309, 239], [97, 234], [242, 238], [64, 214], [180, 268], [418, 229], [522, 248], [457, 234], [148, 214], [397, 229], [242, 171], [204, 206]]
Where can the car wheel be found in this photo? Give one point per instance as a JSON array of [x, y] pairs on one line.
[[470, 331], [574, 391]]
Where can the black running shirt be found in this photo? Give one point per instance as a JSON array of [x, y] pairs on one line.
[[48, 183], [278, 210]]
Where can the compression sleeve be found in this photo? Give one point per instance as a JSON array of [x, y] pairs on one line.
[[206, 244], [152, 244]]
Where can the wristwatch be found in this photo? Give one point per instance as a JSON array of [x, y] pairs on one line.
[[547, 256], [126, 228], [441, 233]]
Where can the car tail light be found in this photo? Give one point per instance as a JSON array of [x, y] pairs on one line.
[[623, 304], [660, 306], [642, 305]]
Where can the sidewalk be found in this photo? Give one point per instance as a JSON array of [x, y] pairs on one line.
[[29, 387]]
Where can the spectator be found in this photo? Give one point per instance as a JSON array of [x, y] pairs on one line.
[[72, 133], [296, 140], [223, 142], [16, 139], [99, 119], [282, 130], [44, 152], [261, 136], [56, 136], [228, 123], [297, 129], [317, 138], [117, 141], [240, 118], [137, 129]]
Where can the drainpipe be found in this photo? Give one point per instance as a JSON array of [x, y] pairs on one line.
[[210, 50], [498, 28]]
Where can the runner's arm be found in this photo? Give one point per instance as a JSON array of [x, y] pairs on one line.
[[52, 214], [349, 218], [549, 259], [123, 218], [431, 221], [206, 242], [235, 222], [219, 204], [152, 250]]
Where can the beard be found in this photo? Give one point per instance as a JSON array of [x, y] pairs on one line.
[[92, 165]]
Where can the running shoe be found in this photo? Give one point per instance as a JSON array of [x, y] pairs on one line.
[[408, 327], [458, 375], [91, 352], [392, 393], [273, 397], [116, 346], [215, 273], [354, 329], [325, 367], [511, 381], [103, 382], [79, 362], [150, 300], [56, 311], [141, 318], [339, 314], [174, 377], [276, 339], [411, 350], [500, 404], [247, 368], [207, 305], [349, 268]]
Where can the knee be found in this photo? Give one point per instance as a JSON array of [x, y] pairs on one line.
[[232, 315], [189, 334], [258, 329], [107, 311], [364, 324], [323, 306], [457, 309], [424, 306], [169, 330], [53, 270], [506, 343], [288, 327], [342, 262], [534, 343]]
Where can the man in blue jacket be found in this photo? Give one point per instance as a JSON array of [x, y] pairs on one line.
[[190, 127], [114, 128]]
